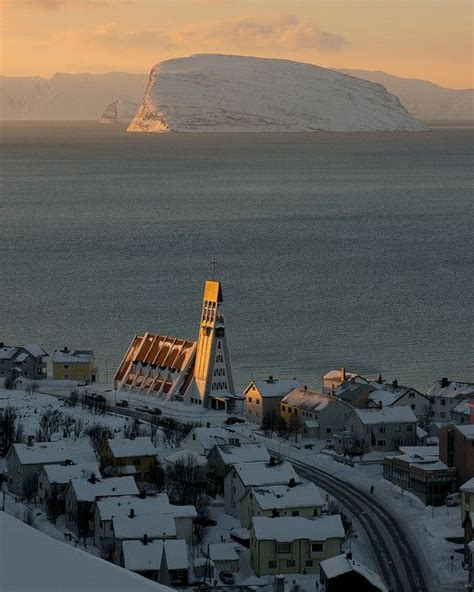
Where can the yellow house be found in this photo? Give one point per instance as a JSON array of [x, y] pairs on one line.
[[334, 378], [293, 544], [122, 456], [74, 365], [262, 397]]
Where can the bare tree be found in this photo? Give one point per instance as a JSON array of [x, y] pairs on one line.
[[173, 432], [19, 432], [50, 422], [7, 426], [98, 434], [270, 422], [29, 517], [74, 397], [78, 427]]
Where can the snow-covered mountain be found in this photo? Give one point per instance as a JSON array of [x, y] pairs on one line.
[[119, 112], [66, 97], [424, 99], [224, 93]]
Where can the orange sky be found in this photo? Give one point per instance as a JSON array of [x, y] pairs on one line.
[[413, 38]]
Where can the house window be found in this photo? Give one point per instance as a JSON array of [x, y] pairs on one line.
[[381, 443], [309, 563], [257, 401], [283, 548], [413, 406], [442, 414], [295, 513], [249, 399], [66, 366], [382, 430], [410, 428], [272, 564], [328, 430], [290, 563], [412, 395], [317, 547], [66, 377]]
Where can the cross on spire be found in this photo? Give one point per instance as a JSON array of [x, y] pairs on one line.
[[213, 264]]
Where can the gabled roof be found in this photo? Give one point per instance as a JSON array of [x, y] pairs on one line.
[[387, 415], [468, 487], [303, 495], [351, 389], [275, 387], [124, 447], [54, 452], [31, 560], [139, 556], [154, 525], [78, 356], [291, 528], [308, 400], [259, 473], [464, 407], [62, 474], [210, 437], [339, 375], [8, 352], [466, 430], [85, 491], [223, 552], [388, 395], [108, 507], [246, 453], [341, 564], [452, 389], [35, 350]]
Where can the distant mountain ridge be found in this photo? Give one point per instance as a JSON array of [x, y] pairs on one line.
[[229, 93], [68, 97], [423, 99]]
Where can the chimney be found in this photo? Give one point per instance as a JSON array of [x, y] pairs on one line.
[[349, 556], [142, 494], [272, 462], [444, 382], [145, 539], [30, 441], [343, 373], [380, 379], [305, 388], [270, 379], [131, 514], [395, 383], [92, 479], [292, 482], [1, 344], [65, 350]]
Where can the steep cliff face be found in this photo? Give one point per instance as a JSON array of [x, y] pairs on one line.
[[119, 112], [221, 93]]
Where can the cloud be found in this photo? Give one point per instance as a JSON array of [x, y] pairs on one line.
[[285, 32], [60, 4]]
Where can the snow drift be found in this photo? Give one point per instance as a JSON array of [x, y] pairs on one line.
[[224, 93]]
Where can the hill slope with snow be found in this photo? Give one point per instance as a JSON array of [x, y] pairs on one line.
[[221, 93], [119, 112], [424, 99]]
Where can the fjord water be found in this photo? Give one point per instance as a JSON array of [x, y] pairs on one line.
[[334, 249]]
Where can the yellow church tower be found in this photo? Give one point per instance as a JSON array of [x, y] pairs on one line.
[[212, 369]]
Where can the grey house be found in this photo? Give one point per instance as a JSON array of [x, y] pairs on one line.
[[24, 360]]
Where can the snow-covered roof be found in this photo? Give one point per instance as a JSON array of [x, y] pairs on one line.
[[452, 389], [223, 552], [388, 395], [159, 504], [79, 451], [31, 560], [339, 375], [466, 430], [7, 352], [139, 556], [210, 437], [424, 451], [35, 350], [468, 487], [275, 387], [303, 495], [399, 414], [308, 400], [161, 526], [260, 473], [85, 491], [290, 528], [350, 389], [184, 455], [421, 433], [464, 407], [79, 356], [341, 564], [231, 454], [124, 447], [62, 474]]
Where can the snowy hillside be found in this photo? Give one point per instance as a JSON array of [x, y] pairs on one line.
[[66, 97], [221, 93], [424, 99], [119, 112]]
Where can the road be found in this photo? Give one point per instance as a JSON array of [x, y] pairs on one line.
[[396, 557]]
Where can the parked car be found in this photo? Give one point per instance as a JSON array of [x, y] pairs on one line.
[[234, 420], [227, 577], [143, 409], [156, 411], [99, 398], [122, 403], [453, 499]]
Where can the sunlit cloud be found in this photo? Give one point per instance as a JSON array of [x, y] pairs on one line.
[[285, 32], [62, 4]]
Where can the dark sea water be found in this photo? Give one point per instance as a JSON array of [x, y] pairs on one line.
[[333, 249]]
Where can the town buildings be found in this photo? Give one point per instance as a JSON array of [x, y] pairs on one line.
[[263, 397], [342, 573], [54, 479], [293, 545], [445, 395], [394, 395], [27, 361], [196, 372], [76, 365]]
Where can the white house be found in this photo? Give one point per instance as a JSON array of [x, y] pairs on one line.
[[25, 461], [224, 557], [203, 440], [393, 395], [144, 557], [222, 458], [384, 429], [54, 479], [344, 572], [293, 545], [242, 477], [302, 499], [445, 395]]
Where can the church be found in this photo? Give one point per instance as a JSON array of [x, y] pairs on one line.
[[171, 368]]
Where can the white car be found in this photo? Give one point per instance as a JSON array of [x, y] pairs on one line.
[[453, 499]]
